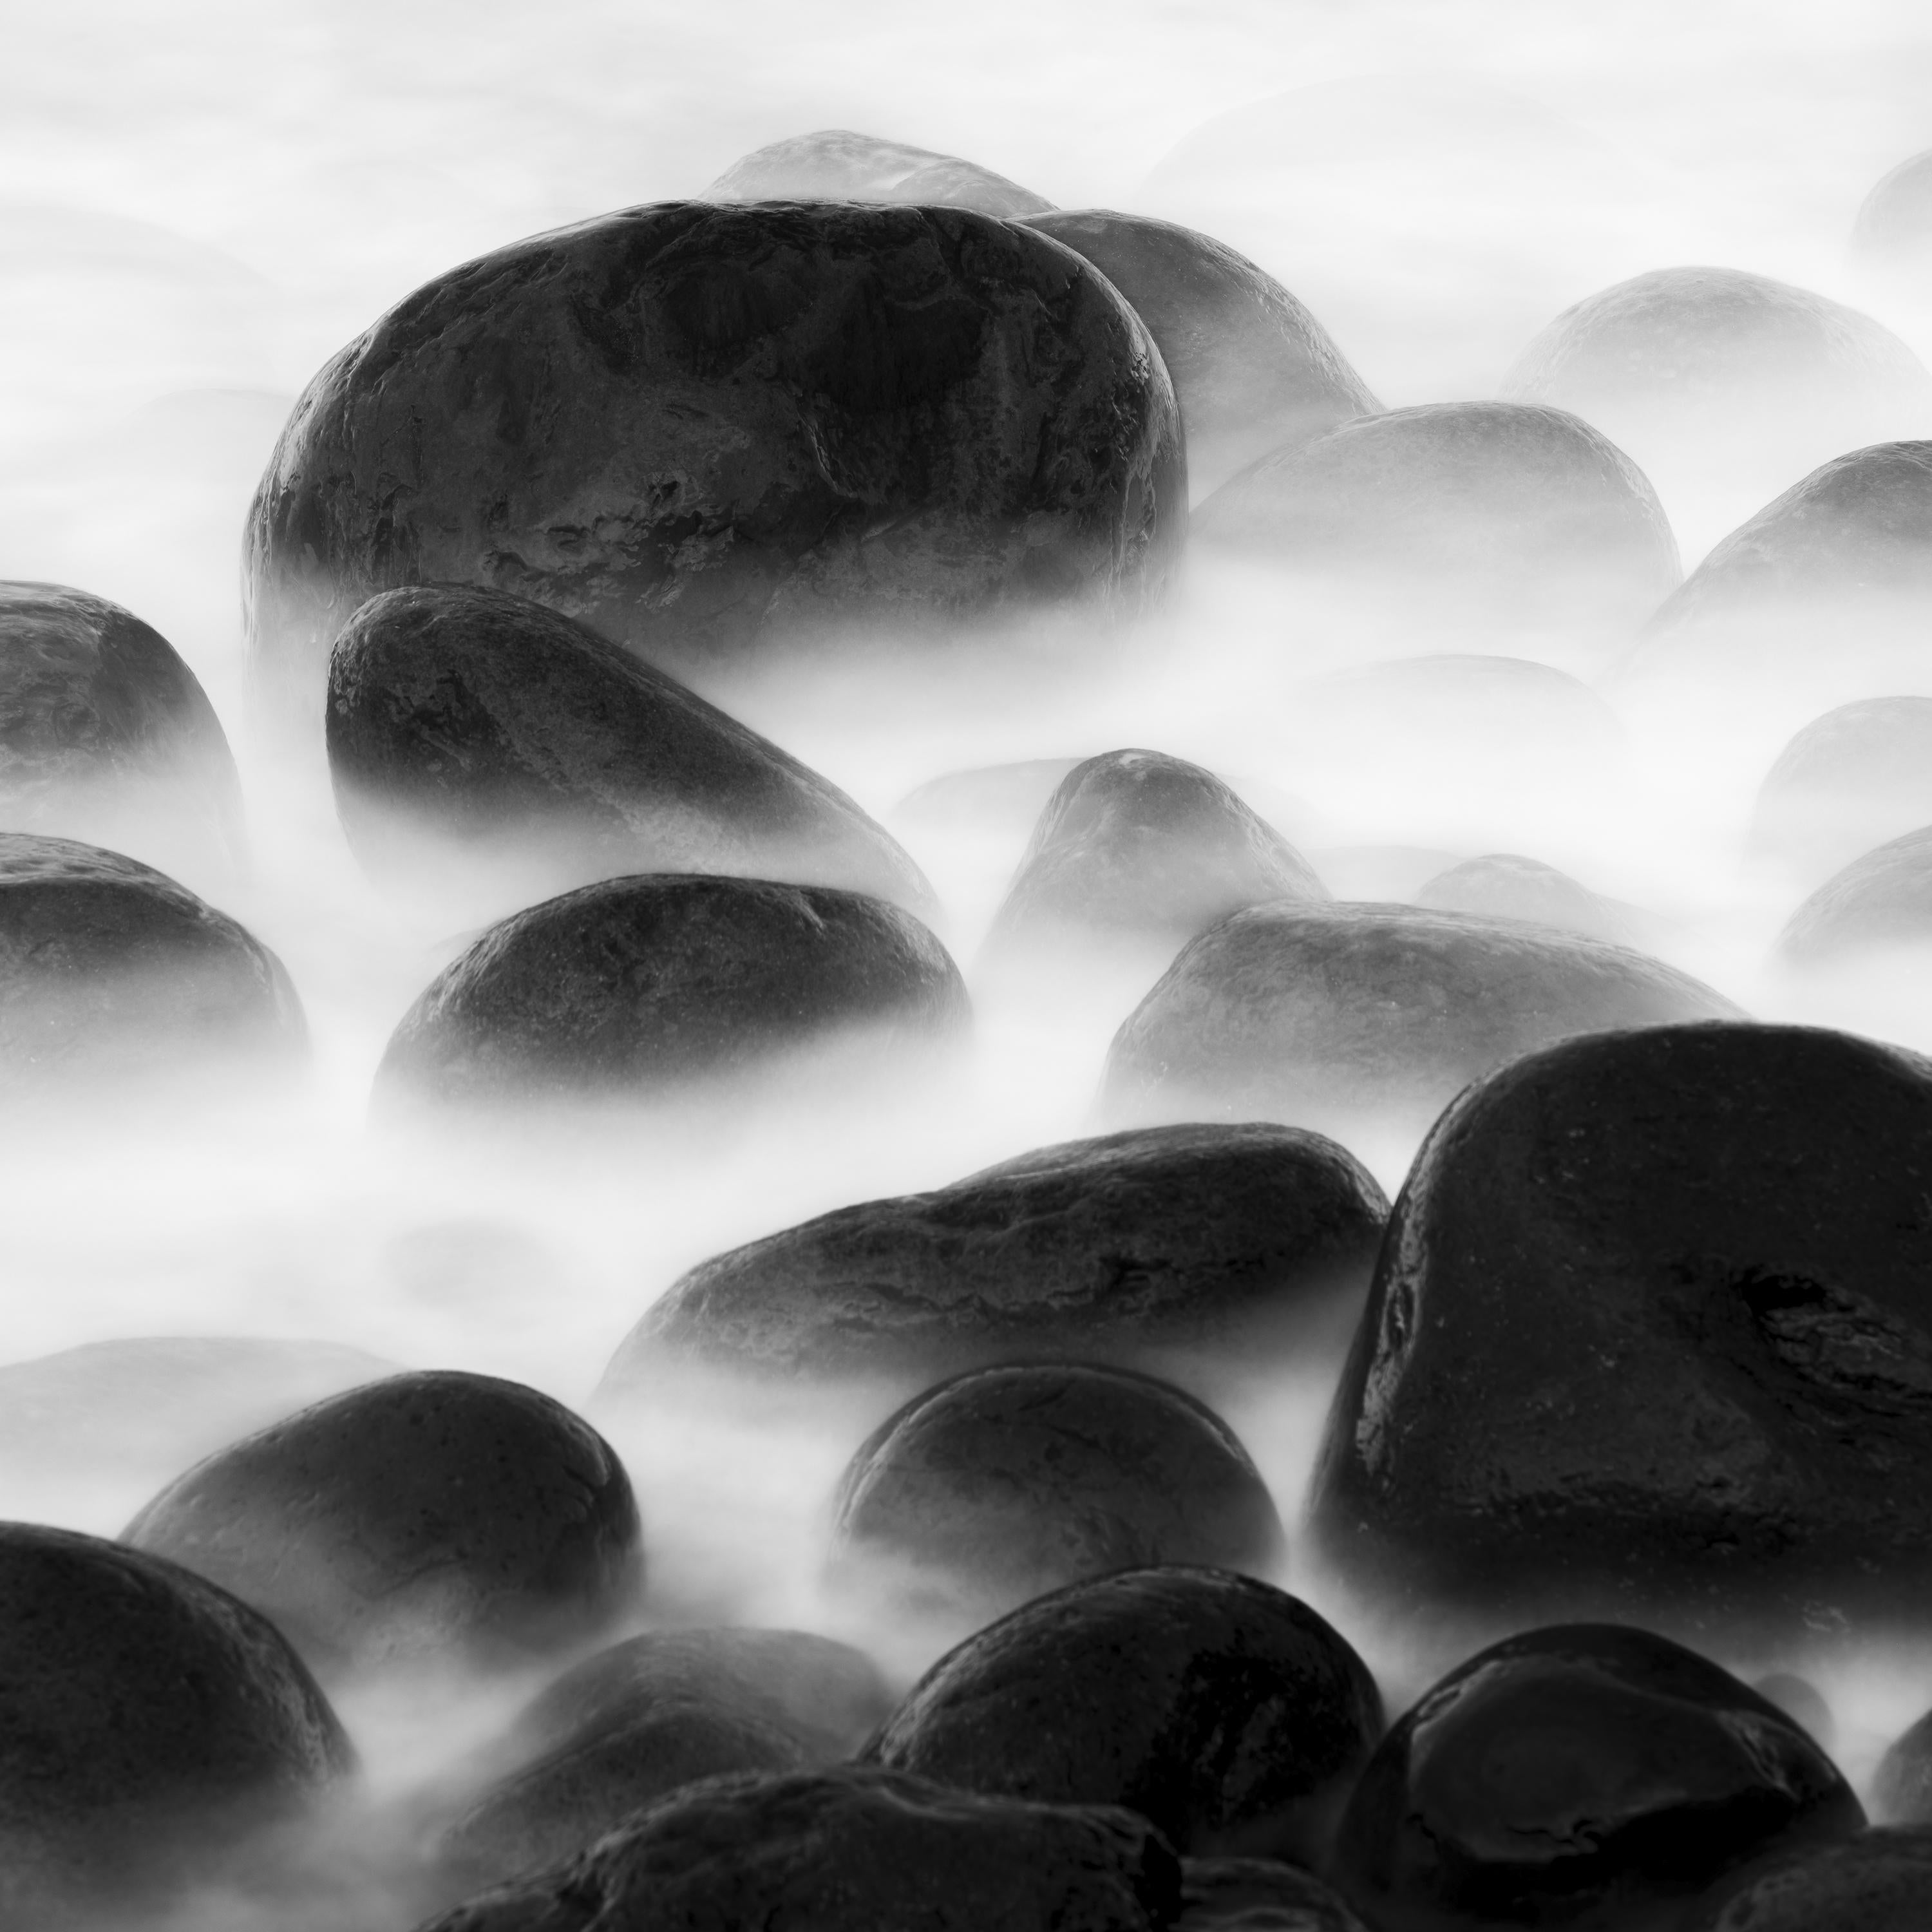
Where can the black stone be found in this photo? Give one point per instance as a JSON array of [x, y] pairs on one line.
[[639, 988], [1180, 1247], [1902, 1786], [1007, 1483], [706, 429], [1860, 775], [1226, 1711], [1652, 1336], [1876, 904], [1257, 1895], [835, 1850], [837, 165], [431, 1520], [1333, 1016], [1590, 1775], [1877, 1882], [1253, 370], [1505, 885], [469, 724]]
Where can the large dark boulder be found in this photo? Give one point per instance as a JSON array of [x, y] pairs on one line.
[[434, 1520], [472, 729], [1877, 1882], [1860, 775], [706, 429], [1182, 1247], [836, 165], [1338, 1015], [834, 1850], [1505, 885], [1879, 904], [1007, 1483], [1226, 1711], [641, 987], [1253, 370], [110, 970], [149, 1725], [1652, 1336], [1590, 1775], [1257, 1895]]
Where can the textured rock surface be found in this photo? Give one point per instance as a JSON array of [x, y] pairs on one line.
[[1878, 1881], [638, 988], [828, 1851], [1257, 1895], [1253, 370], [1332, 1015], [1590, 1775], [1651, 1336], [1007, 1483], [1169, 1245], [431, 1519], [1876, 904], [837, 165], [468, 724], [108, 968], [1505, 885], [705, 429], [1860, 775], [1229, 1713]]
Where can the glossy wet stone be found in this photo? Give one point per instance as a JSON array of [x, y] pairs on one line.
[[836, 164]]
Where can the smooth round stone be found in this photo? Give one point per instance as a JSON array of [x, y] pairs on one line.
[[1860, 775], [1505, 885], [1346, 1016], [1877, 1882], [718, 433], [1253, 370], [432, 1520], [1880, 905], [1224, 1710], [643, 988], [1902, 1786], [472, 730], [1590, 1775], [152, 1726], [111, 971], [850, 1846], [1893, 229], [1007, 1483], [1709, 1250], [837, 165], [1257, 1895], [1188, 1249]]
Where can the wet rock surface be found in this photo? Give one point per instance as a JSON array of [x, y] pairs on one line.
[[1170, 1246], [1876, 905], [472, 726], [1257, 1895], [1224, 1710], [1878, 1881], [1332, 1015], [836, 164], [430, 1521], [1007, 1483], [1850, 781], [1592, 1775], [637, 988], [1506, 885], [1712, 1409], [706, 429]]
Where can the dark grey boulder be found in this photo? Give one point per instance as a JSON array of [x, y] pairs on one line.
[[1183, 1248], [1708, 1249], [836, 165], [1253, 370], [1877, 1882], [711, 431], [1334, 1016], [472, 728], [1224, 1710], [1505, 885], [1860, 775], [1893, 229], [1877, 906], [427, 1522], [1902, 1786], [1007, 1483], [639, 988], [1259, 1895]]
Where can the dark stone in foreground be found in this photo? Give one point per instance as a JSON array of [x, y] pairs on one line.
[[834, 1851], [837, 165], [1652, 1336], [1589, 1775], [1007, 1483], [1257, 1895], [109, 969], [1332, 1015], [149, 1724], [1877, 1882], [1850, 780], [1181, 1246], [1877, 903], [1226, 1711], [437, 1520], [1505, 885], [713, 430], [468, 724], [639, 988]]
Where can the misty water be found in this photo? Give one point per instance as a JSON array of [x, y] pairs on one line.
[[196, 210]]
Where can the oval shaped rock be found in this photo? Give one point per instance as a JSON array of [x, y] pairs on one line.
[[1877, 906], [1343, 1015], [641, 987], [836, 165], [471, 728], [1850, 781], [439, 1520], [1253, 370], [1187, 1248], [1222, 1709], [711, 431], [1505, 885], [1878, 1881], [1007, 1483], [1651, 1336], [1592, 1775]]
